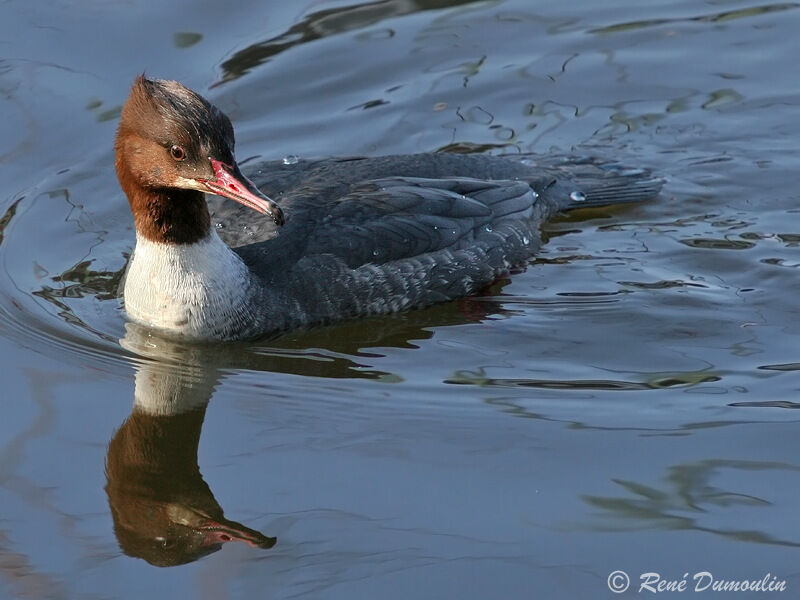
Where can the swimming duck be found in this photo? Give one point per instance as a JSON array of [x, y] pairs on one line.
[[342, 238]]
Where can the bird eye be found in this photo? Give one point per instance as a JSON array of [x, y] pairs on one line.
[[177, 152]]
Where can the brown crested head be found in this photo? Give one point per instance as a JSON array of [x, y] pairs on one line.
[[172, 146]]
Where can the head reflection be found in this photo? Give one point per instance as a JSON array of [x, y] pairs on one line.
[[163, 510]]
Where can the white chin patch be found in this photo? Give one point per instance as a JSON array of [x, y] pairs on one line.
[[185, 183]]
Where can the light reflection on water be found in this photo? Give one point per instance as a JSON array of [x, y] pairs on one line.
[[629, 388]]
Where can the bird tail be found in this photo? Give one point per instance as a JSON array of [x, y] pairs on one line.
[[618, 190], [603, 183], [586, 182]]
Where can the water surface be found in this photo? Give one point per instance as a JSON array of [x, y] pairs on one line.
[[623, 401]]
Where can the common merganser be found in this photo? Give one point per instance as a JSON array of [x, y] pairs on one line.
[[362, 236]]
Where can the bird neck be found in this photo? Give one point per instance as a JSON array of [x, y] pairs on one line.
[[164, 214]]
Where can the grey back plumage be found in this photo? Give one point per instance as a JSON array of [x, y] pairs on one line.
[[376, 235]]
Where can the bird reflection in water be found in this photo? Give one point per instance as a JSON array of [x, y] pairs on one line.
[[163, 510]]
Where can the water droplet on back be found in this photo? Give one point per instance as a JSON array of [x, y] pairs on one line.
[[291, 159], [577, 196]]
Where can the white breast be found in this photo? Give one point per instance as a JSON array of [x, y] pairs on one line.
[[187, 289]]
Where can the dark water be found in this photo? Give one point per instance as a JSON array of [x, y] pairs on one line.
[[623, 402]]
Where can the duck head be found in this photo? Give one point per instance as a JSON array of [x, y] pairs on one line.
[[173, 146]]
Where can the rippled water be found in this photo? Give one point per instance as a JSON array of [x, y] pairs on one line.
[[622, 402]]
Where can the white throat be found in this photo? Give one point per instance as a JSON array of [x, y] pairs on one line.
[[194, 290]]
